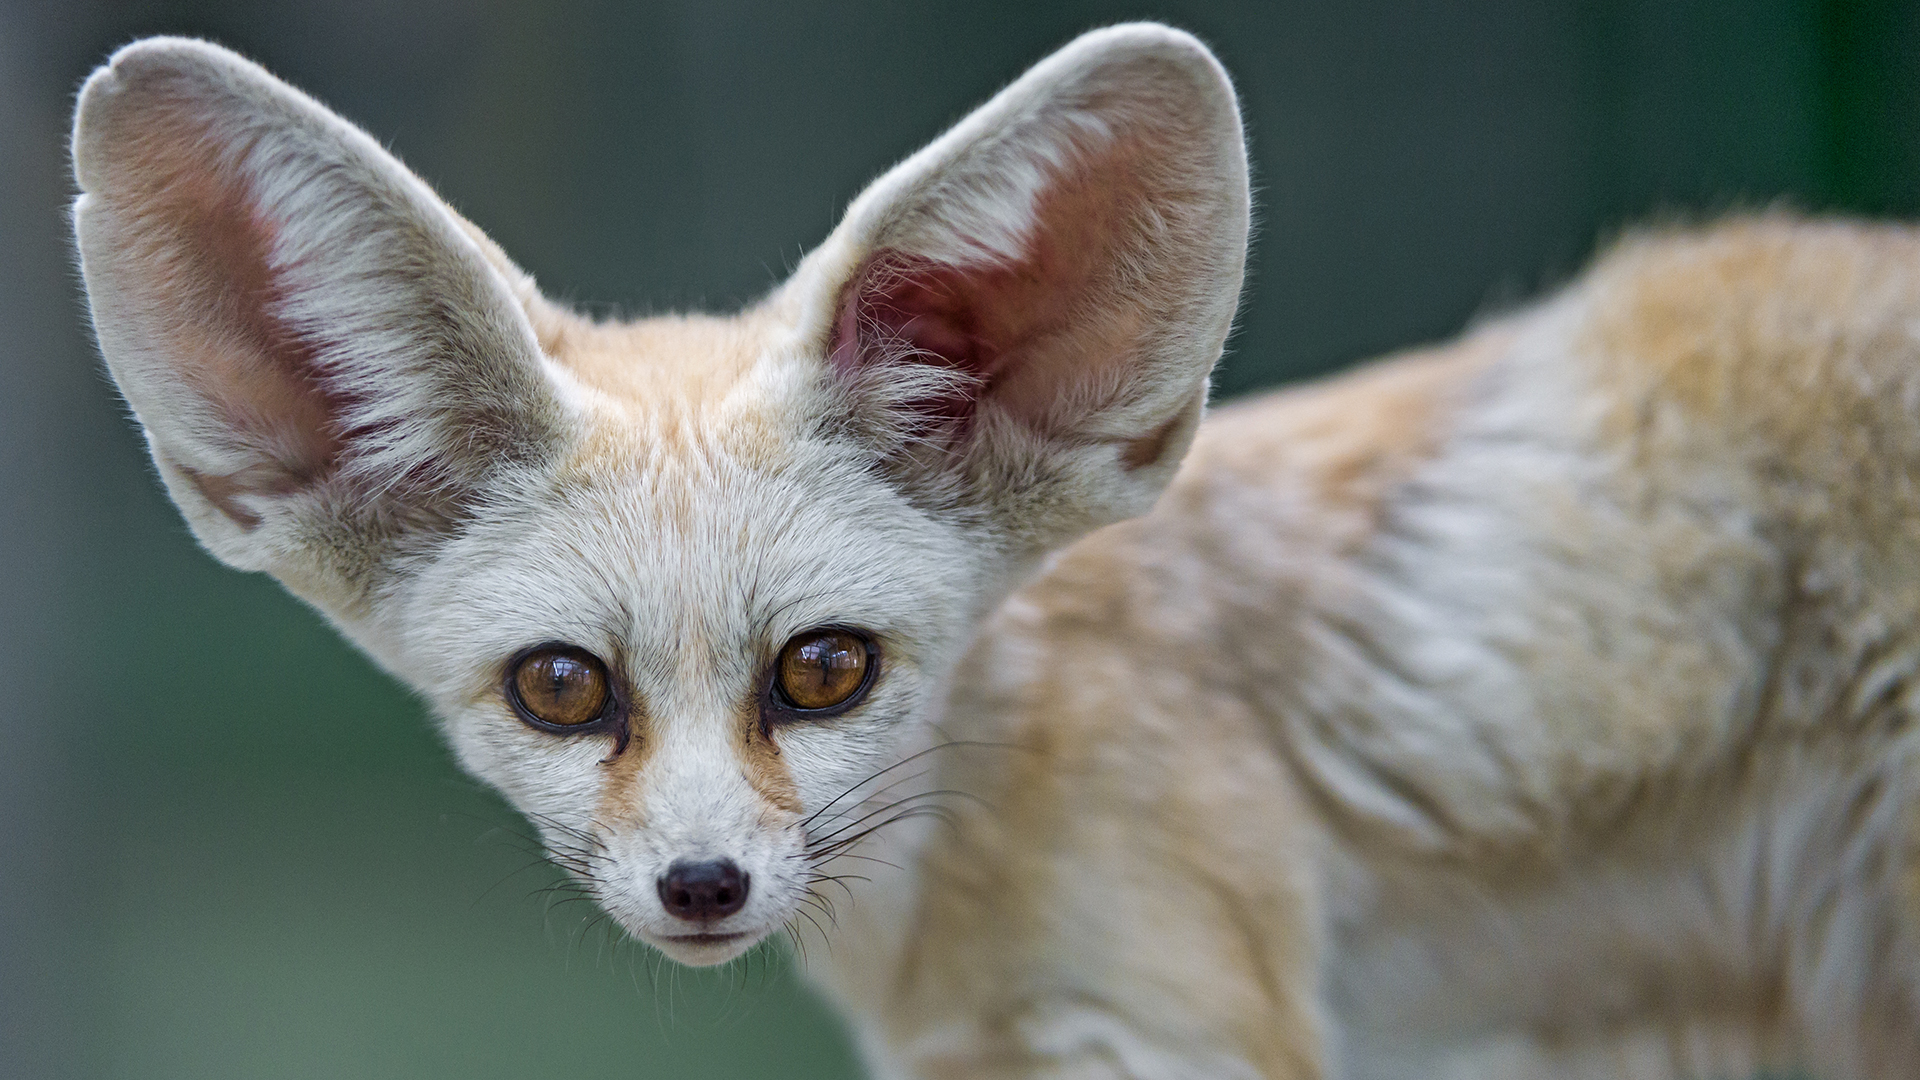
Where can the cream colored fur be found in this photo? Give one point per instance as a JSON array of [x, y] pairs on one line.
[[1543, 705]]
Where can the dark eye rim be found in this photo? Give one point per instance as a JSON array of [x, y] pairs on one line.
[[613, 715], [775, 706]]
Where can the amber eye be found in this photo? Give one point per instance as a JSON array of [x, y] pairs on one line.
[[822, 669], [561, 686]]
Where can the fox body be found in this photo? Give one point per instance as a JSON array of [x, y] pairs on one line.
[[1539, 705]]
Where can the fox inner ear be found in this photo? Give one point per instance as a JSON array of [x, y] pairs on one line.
[[1035, 301], [321, 354]]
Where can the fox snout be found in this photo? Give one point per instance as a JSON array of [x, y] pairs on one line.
[[699, 908], [702, 892], [701, 895]]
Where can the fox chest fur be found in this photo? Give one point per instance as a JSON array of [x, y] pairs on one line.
[[1540, 705]]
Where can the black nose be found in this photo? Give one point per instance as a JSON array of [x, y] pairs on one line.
[[703, 891]]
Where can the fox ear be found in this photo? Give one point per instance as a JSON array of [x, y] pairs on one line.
[[1026, 312], [327, 360]]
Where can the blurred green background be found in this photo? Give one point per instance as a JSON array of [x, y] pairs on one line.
[[229, 848]]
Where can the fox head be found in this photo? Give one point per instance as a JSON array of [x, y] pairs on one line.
[[675, 587]]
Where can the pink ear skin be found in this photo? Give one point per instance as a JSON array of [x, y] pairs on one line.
[[1045, 333], [269, 390], [904, 308], [218, 299]]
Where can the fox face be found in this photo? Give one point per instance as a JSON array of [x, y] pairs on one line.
[[673, 718], [685, 590]]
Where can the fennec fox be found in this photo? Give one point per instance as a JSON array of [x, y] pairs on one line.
[[1543, 704]]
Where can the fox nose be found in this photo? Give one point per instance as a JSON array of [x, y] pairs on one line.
[[703, 891]]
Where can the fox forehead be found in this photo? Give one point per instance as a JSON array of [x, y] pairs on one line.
[[683, 361]]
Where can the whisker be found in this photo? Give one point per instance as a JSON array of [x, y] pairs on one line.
[[869, 858], [824, 854], [819, 904], [484, 893], [816, 926], [800, 943], [840, 880], [897, 803], [905, 761], [865, 800]]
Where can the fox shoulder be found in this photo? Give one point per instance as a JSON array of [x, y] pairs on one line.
[[1486, 589]]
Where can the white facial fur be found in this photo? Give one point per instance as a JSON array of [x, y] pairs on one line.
[[1004, 345], [812, 542]]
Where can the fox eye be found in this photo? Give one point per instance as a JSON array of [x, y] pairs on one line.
[[823, 669], [559, 686]]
